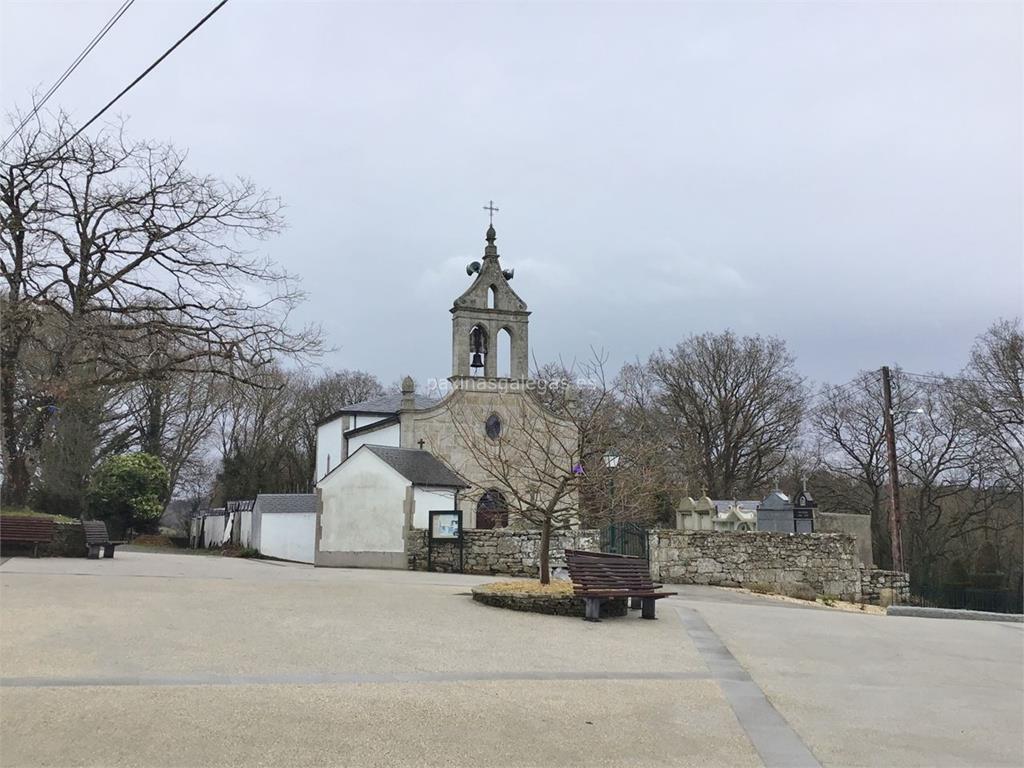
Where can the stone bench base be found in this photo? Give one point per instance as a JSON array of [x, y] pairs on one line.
[[553, 605]]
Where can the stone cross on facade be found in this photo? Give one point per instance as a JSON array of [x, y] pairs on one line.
[[491, 210]]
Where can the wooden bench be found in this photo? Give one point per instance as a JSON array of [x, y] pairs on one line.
[[598, 576], [97, 538], [27, 530]]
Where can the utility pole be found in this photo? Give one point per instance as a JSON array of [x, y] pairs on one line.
[[895, 516]]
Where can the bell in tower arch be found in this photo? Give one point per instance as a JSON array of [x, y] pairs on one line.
[[478, 346]]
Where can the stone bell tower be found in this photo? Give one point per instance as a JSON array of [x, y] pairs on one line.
[[489, 321]]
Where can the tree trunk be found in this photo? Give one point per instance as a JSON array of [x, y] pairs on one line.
[[545, 551], [16, 473], [17, 482]]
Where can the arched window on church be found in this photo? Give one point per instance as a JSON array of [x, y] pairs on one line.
[[492, 297], [492, 510], [503, 350], [477, 350]]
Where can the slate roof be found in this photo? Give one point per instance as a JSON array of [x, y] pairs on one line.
[[286, 502], [385, 405], [419, 467]]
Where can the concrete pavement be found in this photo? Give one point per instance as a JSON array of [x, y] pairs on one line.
[[162, 659]]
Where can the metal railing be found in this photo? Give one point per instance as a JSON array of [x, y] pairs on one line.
[[625, 539], [967, 598]]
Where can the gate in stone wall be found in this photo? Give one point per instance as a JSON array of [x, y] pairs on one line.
[[625, 539]]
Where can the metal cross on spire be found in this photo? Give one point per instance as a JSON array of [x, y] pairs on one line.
[[491, 210]]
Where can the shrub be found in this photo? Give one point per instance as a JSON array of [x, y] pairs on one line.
[[129, 490]]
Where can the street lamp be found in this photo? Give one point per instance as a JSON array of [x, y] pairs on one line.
[[611, 458], [611, 461]]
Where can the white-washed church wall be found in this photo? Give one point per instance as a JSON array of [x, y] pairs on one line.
[[389, 435], [329, 447], [427, 499], [360, 420]]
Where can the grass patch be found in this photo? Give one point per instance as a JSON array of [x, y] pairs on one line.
[[152, 540], [245, 552], [27, 512], [555, 589]]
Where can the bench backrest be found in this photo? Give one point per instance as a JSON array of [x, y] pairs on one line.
[[17, 528], [597, 571], [95, 532]]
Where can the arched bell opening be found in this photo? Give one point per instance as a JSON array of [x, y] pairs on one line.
[[477, 350], [503, 352]]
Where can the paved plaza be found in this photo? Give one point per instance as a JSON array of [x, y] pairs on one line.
[[184, 660]]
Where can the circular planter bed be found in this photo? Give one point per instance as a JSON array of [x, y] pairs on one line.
[[555, 598]]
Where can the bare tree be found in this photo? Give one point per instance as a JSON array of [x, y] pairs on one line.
[[992, 388], [947, 486], [172, 415], [118, 249], [848, 426], [318, 397], [258, 437], [733, 405], [546, 456]]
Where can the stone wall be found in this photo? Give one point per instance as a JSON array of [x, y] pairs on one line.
[[885, 588], [858, 526], [827, 562], [498, 551]]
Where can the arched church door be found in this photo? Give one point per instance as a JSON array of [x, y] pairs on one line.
[[492, 510]]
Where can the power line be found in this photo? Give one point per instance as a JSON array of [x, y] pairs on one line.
[[136, 81], [941, 377], [73, 66], [832, 389]]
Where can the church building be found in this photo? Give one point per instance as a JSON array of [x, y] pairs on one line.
[[384, 464]]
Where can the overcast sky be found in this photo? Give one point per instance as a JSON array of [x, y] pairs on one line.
[[845, 176]]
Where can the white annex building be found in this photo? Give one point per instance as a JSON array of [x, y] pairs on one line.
[[384, 464]]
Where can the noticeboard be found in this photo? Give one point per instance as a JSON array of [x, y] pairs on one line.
[[444, 526]]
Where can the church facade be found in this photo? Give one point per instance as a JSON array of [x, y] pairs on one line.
[[384, 464]]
